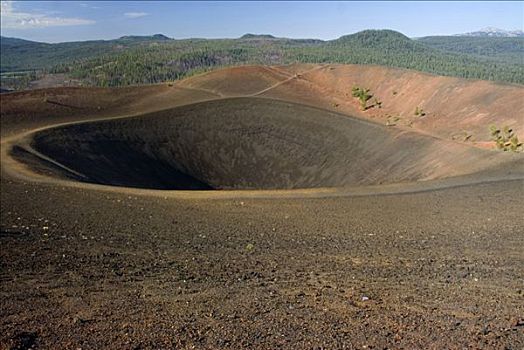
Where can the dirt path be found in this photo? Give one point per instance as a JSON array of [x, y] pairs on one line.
[[190, 88], [295, 76]]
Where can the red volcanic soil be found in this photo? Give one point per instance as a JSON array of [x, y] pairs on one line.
[[453, 106], [431, 260], [237, 81]]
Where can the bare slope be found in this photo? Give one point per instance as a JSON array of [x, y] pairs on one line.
[[237, 81], [32, 109], [452, 106]]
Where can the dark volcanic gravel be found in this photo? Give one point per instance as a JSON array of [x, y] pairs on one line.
[[91, 269]]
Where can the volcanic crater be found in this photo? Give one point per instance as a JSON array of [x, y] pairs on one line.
[[93, 258], [247, 143]]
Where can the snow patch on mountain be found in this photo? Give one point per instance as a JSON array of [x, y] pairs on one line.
[[495, 32]]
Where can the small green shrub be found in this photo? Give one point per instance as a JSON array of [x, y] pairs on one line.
[[419, 112], [362, 94], [392, 121], [505, 139]]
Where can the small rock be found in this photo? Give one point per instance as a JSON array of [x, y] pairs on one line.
[[517, 322]]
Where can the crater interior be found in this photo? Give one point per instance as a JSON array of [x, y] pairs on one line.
[[246, 143]]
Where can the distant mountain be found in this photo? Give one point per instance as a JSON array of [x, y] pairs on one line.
[[495, 33], [132, 60], [6, 42], [379, 39], [22, 50], [502, 49], [155, 37], [257, 36], [373, 36], [19, 54]]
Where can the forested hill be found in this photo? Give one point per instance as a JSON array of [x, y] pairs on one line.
[[157, 58], [506, 49], [18, 54], [257, 36]]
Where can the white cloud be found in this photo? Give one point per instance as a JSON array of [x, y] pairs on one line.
[[135, 14], [12, 19], [84, 5], [6, 7]]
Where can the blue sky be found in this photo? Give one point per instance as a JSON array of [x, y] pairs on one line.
[[57, 21]]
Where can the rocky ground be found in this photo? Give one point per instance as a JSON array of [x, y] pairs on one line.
[[93, 269]]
